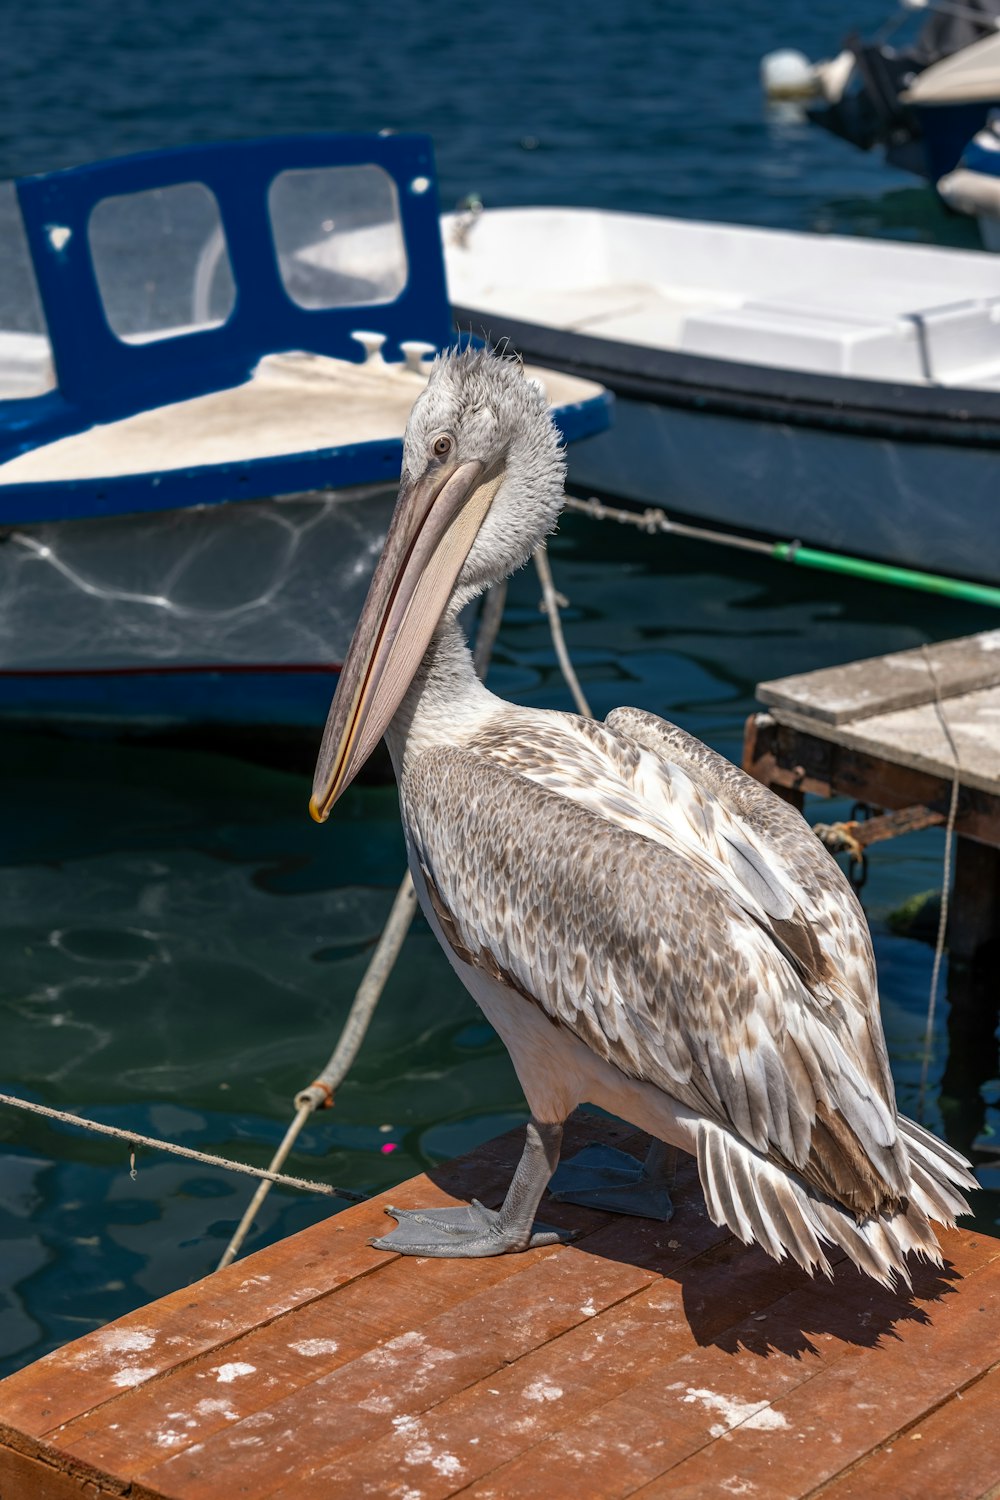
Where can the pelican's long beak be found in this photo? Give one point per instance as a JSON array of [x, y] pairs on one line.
[[435, 523]]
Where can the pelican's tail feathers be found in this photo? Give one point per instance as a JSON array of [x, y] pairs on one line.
[[939, 1176], [760, 1200]]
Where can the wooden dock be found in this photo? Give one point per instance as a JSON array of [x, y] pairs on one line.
[[643, 1359], [878, 731]]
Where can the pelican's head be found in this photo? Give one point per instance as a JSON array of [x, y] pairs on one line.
[[482, 485]]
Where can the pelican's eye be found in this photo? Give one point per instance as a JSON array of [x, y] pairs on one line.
[[442, 445]]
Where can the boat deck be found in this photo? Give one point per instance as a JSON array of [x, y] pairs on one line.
[[294, 403], [643, 1359]]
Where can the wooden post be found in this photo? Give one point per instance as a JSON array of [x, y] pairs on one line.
[[973, 944], [972, 1051], [760, 762], [974, 917]]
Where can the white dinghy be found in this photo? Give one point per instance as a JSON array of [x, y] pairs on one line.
[[844, 392]]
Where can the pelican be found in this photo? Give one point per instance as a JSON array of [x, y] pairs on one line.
[[646, 927]]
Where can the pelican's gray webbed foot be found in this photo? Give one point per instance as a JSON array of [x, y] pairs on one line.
[[467, 1231], [601, 1177], [473, 1230]]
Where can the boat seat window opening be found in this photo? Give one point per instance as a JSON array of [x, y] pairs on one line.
[[338, 236], [161, 262], [26, 367]]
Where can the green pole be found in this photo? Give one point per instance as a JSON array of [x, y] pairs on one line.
[[856, 567], [793, 552]]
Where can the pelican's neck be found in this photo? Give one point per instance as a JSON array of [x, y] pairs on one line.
[[444, 704]]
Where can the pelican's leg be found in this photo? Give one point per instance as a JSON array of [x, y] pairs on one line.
[[472, 1229], [601, 1177]]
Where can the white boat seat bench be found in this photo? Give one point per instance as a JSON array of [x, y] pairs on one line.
[[936, 345]]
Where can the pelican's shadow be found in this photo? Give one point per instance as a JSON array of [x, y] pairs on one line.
[[732, 1296]]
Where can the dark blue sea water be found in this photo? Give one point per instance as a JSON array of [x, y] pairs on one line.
[[178, 943]]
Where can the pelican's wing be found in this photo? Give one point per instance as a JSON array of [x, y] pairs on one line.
[[653, 779], [654, 964], [789, 837], [828, 915]]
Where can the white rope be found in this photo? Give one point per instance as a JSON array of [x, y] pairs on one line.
[[652, 520], [550, 604], [320, 1094], [133, 1139], [945, 890], [243, 1227], [322, 1091]]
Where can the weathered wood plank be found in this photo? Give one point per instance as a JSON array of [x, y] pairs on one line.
[[536, 1410], [212, 1388], [422, 1366], [854, 1404], [783, 755], [951, 1454], [275, 1362], [599, 1355], [23, 1478], [685, 1409], [885, 684], [916, 738], [207, 1317], [432, 1450]]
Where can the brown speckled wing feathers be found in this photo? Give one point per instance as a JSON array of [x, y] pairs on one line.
[[832, 939]]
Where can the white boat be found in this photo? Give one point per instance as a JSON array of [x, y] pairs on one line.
[[841, 392], [207, 359], [918, 91]]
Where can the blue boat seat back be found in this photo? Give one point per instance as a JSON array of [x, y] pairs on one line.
[[166, 275]]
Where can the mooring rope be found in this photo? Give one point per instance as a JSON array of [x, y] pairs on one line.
[[132, 1138], [551, 602], [320, 1093], [653, 519], [942, 927]]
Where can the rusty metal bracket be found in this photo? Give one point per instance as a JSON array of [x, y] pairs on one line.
[[855, 835]]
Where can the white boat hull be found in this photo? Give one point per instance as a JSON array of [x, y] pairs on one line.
[[225, 614], [916, 505]]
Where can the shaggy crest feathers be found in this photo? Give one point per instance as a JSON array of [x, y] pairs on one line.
[[498, 416]]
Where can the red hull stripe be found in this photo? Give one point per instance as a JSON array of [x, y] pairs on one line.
[[226, 668]]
